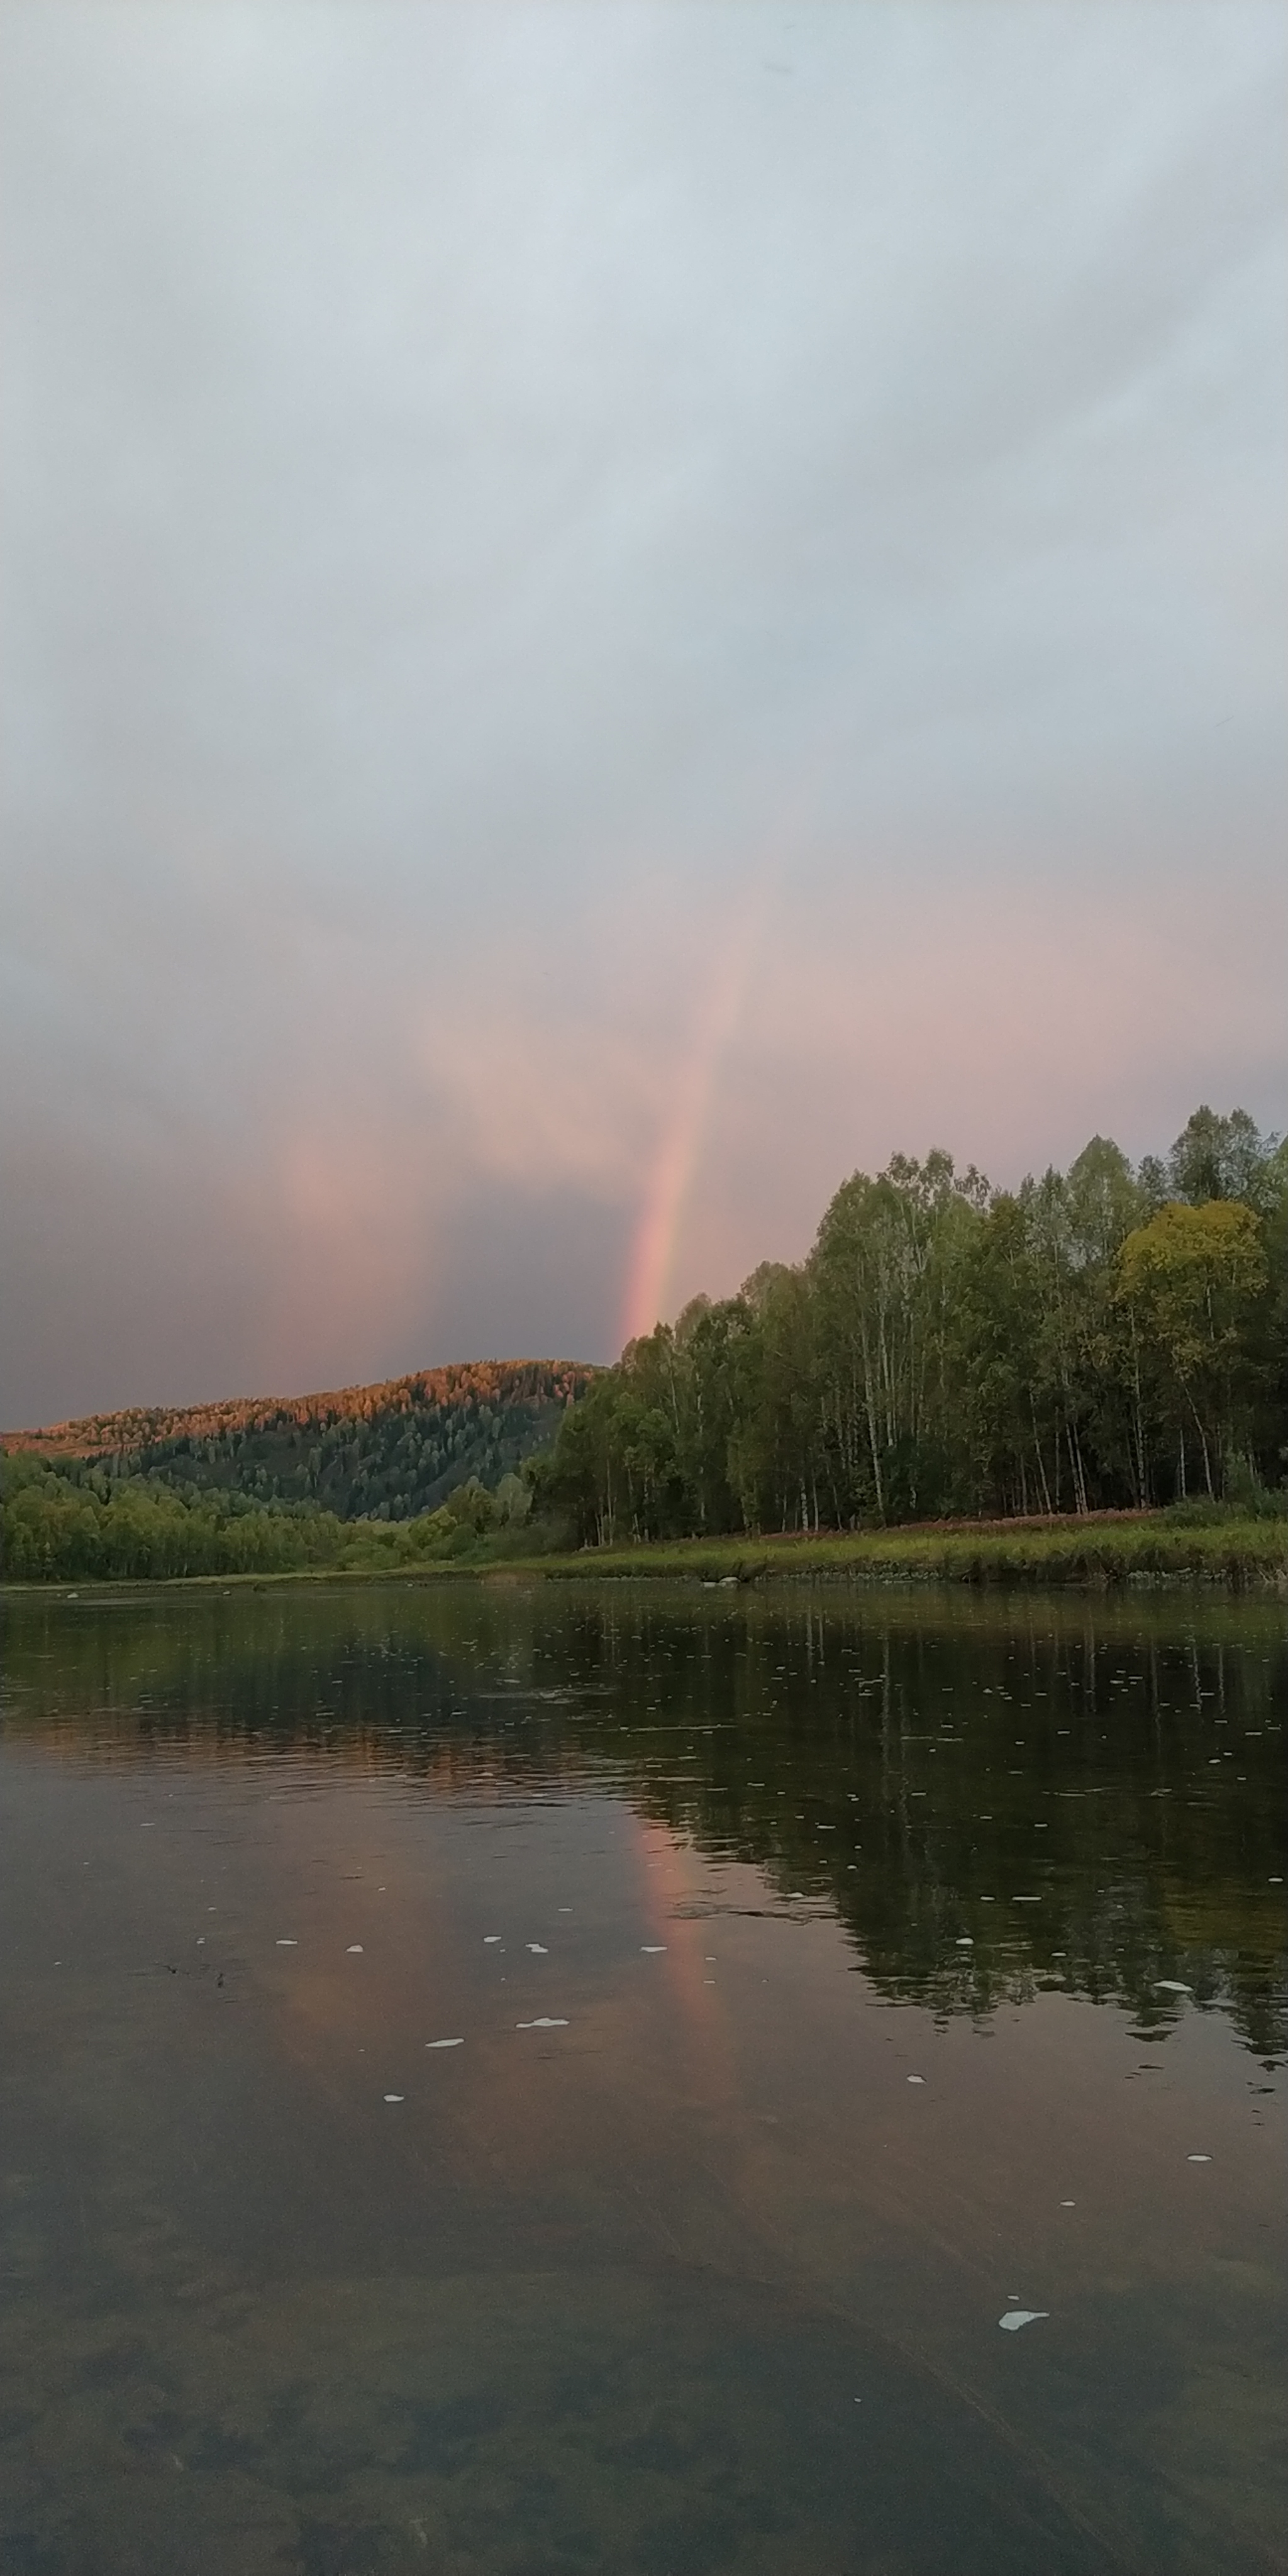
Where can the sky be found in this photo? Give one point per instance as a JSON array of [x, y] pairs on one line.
[[611, 612]]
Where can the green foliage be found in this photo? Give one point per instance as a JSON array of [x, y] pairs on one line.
[[1098, 1339], [66, 1521], [1195, 1281], [61, 1524]]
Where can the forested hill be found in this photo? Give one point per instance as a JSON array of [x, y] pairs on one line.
[[379, 1452]]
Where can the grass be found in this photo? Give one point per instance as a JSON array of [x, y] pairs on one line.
[[1111, 1548], [1218, 1546]]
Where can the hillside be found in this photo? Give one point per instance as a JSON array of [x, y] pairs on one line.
[[385, 1452]]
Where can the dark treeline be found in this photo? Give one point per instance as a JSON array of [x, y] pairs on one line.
[[1105, 1337], [389, 1452], [415, 1470]]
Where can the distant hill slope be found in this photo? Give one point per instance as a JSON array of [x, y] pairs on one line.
[[386, 1452]]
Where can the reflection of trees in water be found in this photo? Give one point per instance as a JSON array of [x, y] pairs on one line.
[[903, 1762]]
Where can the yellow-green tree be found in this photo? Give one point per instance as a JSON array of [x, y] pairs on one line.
[[1192, 1280]]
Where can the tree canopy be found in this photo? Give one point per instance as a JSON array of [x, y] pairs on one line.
[[1101, 1337]]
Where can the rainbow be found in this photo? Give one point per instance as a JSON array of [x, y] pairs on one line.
[[653, 1246]]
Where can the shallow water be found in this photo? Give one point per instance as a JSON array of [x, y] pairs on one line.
[[828, 1982]]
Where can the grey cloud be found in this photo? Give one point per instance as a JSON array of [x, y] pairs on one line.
[[482, 486]]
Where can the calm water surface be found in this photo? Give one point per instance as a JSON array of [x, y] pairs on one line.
[[533, 2082]]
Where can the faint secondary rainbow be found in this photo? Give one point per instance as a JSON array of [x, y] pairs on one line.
[[653, 1249]]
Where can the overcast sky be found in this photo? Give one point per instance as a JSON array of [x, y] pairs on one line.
[[610, 612]]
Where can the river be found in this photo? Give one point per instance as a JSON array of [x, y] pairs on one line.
[[533, 2080]]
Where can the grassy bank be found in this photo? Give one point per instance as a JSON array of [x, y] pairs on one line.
[[1218, 1549], [1147, 1547]]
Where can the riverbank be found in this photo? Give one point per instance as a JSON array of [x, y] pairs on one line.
[[1139, 1548], [1150, 1550]]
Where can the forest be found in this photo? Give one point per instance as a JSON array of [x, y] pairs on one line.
[[69, 1520], [1106, 1337], [386, 1452], [374, 1477]]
